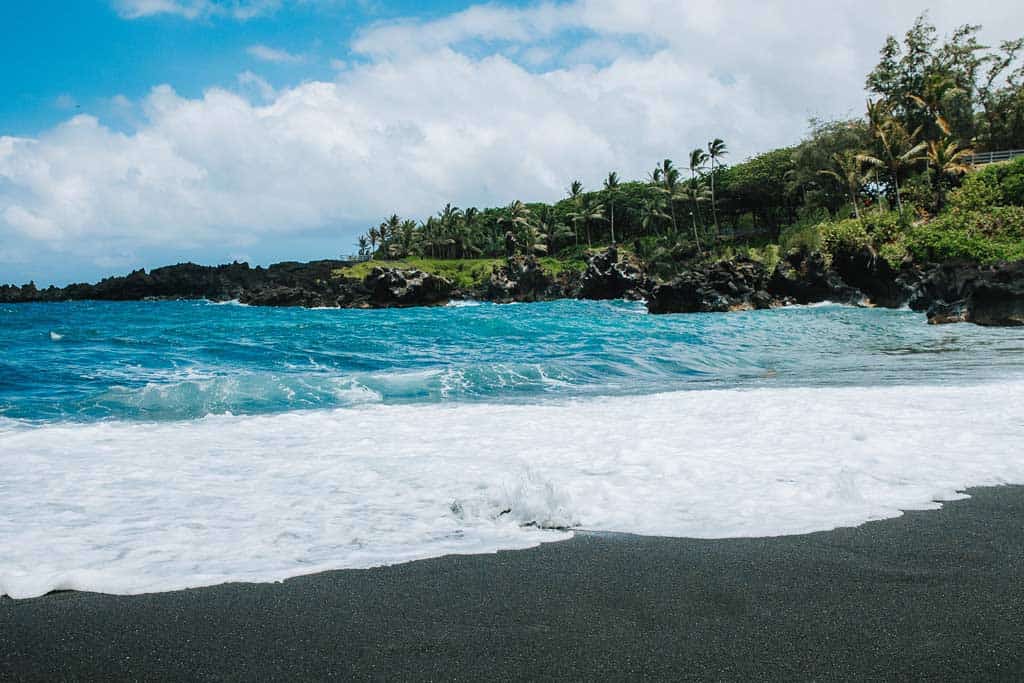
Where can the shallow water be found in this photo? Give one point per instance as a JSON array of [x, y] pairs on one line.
[[154, 446], [86, 361]]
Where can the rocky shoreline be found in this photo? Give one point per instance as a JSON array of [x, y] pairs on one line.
[[947, 293]]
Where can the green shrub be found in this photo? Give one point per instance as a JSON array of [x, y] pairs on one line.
[[884, 227], [846, 235], [804, 234], [979, 191], [894, 252], [995, 234]]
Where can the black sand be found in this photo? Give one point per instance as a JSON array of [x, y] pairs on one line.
[[932, 595]]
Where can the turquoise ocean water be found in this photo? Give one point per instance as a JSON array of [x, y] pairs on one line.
[[152, 446], [85, 361]]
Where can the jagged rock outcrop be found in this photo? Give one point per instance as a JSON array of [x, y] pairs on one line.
[[389, 287], [882, 285], [734, 285], [606, 277], [987, 295], [521, 278], [805, 278]]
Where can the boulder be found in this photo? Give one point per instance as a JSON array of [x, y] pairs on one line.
[[723, 286], [389, 287], [805, 278], [882, 284], [521, 278], [990, 296], [606, 277]]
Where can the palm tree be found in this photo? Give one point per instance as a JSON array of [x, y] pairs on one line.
[[848, 171], [652, 212], [716, 150], [698, 158], [948, 158], [373, 234], [588, 212], [449, 218], [666, 178], [364, 245], [576, 197], [611, 186], [697, 193], [516, 220], [899, 150]]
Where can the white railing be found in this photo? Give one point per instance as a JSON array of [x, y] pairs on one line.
[[983, 158]]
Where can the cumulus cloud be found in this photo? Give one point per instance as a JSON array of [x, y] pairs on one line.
[[458, 109]]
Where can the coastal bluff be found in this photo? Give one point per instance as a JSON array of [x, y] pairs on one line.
[[990, 295]]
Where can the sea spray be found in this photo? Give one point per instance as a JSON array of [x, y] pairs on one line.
[[130, 507]]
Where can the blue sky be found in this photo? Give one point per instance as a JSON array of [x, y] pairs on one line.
[[57, 52], [136, 133]]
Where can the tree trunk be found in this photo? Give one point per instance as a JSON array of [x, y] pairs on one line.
[[714, 209], [612, 204]]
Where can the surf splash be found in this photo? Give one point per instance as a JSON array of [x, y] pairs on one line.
[[165, 445], [132, 507]]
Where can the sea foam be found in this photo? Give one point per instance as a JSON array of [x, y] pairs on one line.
[[133, 507]]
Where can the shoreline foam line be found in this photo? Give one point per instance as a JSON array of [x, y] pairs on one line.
[[123, 507]]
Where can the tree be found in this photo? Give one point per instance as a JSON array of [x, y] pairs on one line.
[[697, 194], [576, 197], [373, 234], [848, 170], [947, 159], [588, 211], [716, 150], [611, 186], [698, 157], [652, 212], [364, 246], [899, 149], [665, 178], [763, 186]]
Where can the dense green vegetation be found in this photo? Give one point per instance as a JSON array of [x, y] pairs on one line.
[[899, 180], [465, 273]]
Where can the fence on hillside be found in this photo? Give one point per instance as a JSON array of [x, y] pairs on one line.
[[983, 158]]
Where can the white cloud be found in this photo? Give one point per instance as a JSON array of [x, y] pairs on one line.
[[249, 80], [195, 9], [269, 54], [417, 122]]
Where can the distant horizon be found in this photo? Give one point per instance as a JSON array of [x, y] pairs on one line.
[[195, 130]]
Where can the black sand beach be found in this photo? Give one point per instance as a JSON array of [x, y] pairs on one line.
[[931, 595]]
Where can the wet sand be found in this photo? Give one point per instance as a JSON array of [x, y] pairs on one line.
[[935, 595]]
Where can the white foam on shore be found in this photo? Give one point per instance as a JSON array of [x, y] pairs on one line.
[[124, 507]]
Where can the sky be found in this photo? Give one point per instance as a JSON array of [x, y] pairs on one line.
[[138, 133]]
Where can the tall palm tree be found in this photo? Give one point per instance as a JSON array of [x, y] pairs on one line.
[[898, 146], [576, 197], [516, 220], [947, 158], [697, 193], [611, 186], [848, 170], [698, 159], [665, 177], [716, 150], [373, 234], [449, 218], [364, 246], [652, 212], [589, 211]]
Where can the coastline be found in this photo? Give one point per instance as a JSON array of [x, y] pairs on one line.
[[933, 594]]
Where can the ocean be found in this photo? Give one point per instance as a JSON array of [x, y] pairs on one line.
[[153, 446]]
